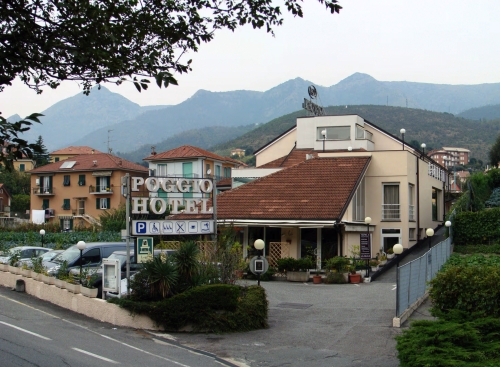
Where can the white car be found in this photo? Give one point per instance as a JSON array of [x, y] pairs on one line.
[[24, 252], [46, 256]]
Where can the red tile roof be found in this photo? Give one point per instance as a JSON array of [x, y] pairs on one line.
[[76, 150], [85, 162], [295, 156], [188, 151], [316, 189]]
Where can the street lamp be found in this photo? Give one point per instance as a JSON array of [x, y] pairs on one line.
[[423, 149], [429, 232], [259, 246], [368, 220], [403, 131], [448, 225], [42, 233], [81, 246], [323, 133], [398, 250]]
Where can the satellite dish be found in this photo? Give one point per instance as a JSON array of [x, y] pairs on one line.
[[209, 171]]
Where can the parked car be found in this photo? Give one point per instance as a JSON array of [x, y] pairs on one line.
[[24, 252], [92, 256], [46, 256]]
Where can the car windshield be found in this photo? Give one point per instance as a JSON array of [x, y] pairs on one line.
[[48, 255], [13, 250], [122, 258], [68, 255]]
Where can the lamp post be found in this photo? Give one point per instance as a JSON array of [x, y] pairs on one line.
[[423, 149], [398, 250], [259, 246], [448, 225], [429, 232], [368, 220], [403, 131], [42, 234], [323, 133], [81, 246]]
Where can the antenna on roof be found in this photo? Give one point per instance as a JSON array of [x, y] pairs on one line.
[[109, 149]]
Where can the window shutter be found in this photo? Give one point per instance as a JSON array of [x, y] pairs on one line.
[[45, 204], [81, 180], [98, 203], [61, 223], [71, 224], [108, 203]]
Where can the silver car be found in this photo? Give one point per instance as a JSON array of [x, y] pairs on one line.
[[24, 252]]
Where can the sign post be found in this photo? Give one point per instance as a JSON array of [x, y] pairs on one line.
[[365, 250], [143, 249]]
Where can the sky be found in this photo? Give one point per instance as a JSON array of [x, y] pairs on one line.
[[428, 41]]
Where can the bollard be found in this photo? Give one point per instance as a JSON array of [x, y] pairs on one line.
[[20, 286]]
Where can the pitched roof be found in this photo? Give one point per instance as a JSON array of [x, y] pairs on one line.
[[316, 189], [295, 156], [85, 162], [76, 150], [2, 186], [184, 151]]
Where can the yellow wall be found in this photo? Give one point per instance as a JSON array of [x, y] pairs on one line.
[[278, 149]]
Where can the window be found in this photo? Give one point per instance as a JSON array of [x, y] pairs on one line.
[[56, 159], [435, 203], [161, 170], [66, 224], [21, 167], [358, 202], [103, 203], [207, 167], [390, 207], [411, 202], [66, 205], [66, 180], [45, 204], [412, 233], [46, 186], [334, 133], [217, 172], [227, 172], [102, 184], [81, 180]]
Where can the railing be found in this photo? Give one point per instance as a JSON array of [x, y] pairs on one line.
[[413, 277], [391, 212], [411, 212], [100, 189], [43, 191]]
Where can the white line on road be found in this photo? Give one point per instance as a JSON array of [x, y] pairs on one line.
[[95, 355], [25, 331]]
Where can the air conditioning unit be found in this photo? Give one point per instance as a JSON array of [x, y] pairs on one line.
[[37, 182]]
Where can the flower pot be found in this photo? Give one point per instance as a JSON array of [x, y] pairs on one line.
[[317, 279], [389, 256], [73, 288], [4, 267], [47, 279], [59, 283], [355, 278], [88, 292], [297, 276], [374, 268], [26, 273], [14, 269]]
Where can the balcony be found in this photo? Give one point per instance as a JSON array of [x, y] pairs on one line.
[[391, 212], [100, 190], [43, 191]]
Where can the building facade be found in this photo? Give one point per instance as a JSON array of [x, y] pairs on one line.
[[450, 157], [324, 177], [74, 192], [71, 151]]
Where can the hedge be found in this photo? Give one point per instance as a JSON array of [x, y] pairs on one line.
[[476, 228], [214, 308]]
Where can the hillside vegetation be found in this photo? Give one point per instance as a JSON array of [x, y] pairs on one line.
[[436, 129]]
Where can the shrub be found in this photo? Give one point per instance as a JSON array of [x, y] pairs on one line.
[[290, 264], [267, 276], [338, 263], [472, 289], [210, 308], [477, 228], [335, 278]]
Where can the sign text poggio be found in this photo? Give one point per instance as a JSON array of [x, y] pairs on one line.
[[156, 205], [172, 227]]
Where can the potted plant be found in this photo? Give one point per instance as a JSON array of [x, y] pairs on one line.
[[317, 277], [389, 253], [374, 264], [61, 275], [37, 268], [353, 276], [339, 264], [87, 281], [382, 260], [25, 271], [297, 270]]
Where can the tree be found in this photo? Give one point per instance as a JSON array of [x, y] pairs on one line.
[[42, 157], [495, 153], [44, 42]]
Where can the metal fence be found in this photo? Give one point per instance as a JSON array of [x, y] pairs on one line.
[[412, 277]]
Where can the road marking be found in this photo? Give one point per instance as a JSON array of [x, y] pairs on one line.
[[95, 356], [25, 331]]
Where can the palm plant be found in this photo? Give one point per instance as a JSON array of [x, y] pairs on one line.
[[161, 274]]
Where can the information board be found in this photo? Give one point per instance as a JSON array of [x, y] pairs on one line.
[[365, 247], [172, 227]]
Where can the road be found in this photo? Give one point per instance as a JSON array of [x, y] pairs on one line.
[[36, 333]]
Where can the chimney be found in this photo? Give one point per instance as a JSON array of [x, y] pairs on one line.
[[95, 163], [92, 151], [153, 152]]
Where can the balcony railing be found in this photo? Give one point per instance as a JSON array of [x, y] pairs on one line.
[[411, 212], [100, 189], [391, 212], [43, 191]]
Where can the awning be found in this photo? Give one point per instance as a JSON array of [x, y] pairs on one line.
[[102, 173]]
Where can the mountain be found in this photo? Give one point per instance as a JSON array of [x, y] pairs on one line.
[[79, 115], [490, 112], [202, 138], [436, 129], [242, 107]]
